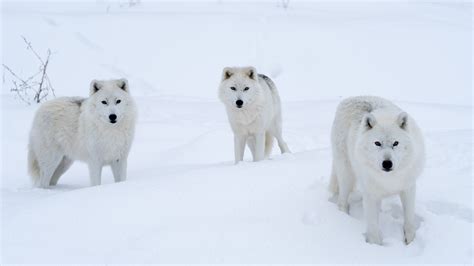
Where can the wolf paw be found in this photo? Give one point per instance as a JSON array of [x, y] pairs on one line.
[[344, 207], [409, 235], [373, 238]]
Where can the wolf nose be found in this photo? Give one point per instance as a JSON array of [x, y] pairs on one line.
[[387, 165], [239, 103], [112, 118]]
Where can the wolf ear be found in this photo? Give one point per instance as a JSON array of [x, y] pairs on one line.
[[227, 73], [369, 121], [402, 120], [123, 84], [252, 73], [95, 86]]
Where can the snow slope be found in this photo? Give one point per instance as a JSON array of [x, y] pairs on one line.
[[185, 201]]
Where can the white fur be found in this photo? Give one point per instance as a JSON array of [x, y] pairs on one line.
[[359, 123], [259, 119], [73, 128]]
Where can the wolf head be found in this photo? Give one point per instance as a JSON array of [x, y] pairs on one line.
[[239, 87], [110, 100], [384, 142]]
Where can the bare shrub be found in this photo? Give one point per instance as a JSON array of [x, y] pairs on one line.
[[36, 87]]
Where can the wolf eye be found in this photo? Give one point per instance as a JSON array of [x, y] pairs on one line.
[[118, 101], [104, 102], [377, 143], [246, 89], [395, 143], [233, 88]]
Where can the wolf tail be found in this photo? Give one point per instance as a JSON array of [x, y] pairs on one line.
[[268, 144], [33, 166], [269, 82], [333, 185]]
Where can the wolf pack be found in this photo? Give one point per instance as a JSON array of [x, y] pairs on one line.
[[376, 146]]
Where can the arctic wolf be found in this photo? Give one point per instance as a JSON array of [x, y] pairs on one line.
[[97, 130], [254, 111], [379, 146]]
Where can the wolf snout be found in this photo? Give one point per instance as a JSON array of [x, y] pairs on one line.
[[113, 118], [239, 103], [387, 165]]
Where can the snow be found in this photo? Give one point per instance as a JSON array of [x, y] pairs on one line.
[[184, 200]]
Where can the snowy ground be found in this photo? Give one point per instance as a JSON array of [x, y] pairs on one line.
[[184, 200]]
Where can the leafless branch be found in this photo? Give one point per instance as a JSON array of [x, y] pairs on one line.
[[36, 87]]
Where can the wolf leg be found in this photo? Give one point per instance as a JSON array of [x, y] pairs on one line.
[[259, 147], [119, 169], [251, 144], [282, 144], [268, 144], [371, 212], [48, 164], [276, 132], [345, 182], [95, 172], [333, 184], [408, 201], [62, 168], [239, 147]]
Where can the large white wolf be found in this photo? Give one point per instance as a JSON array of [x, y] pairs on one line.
[[377, 144], [97, 130], [254, 111]]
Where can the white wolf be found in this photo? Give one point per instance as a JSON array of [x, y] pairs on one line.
[[254, 111], [381, 147], [97, 130]]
